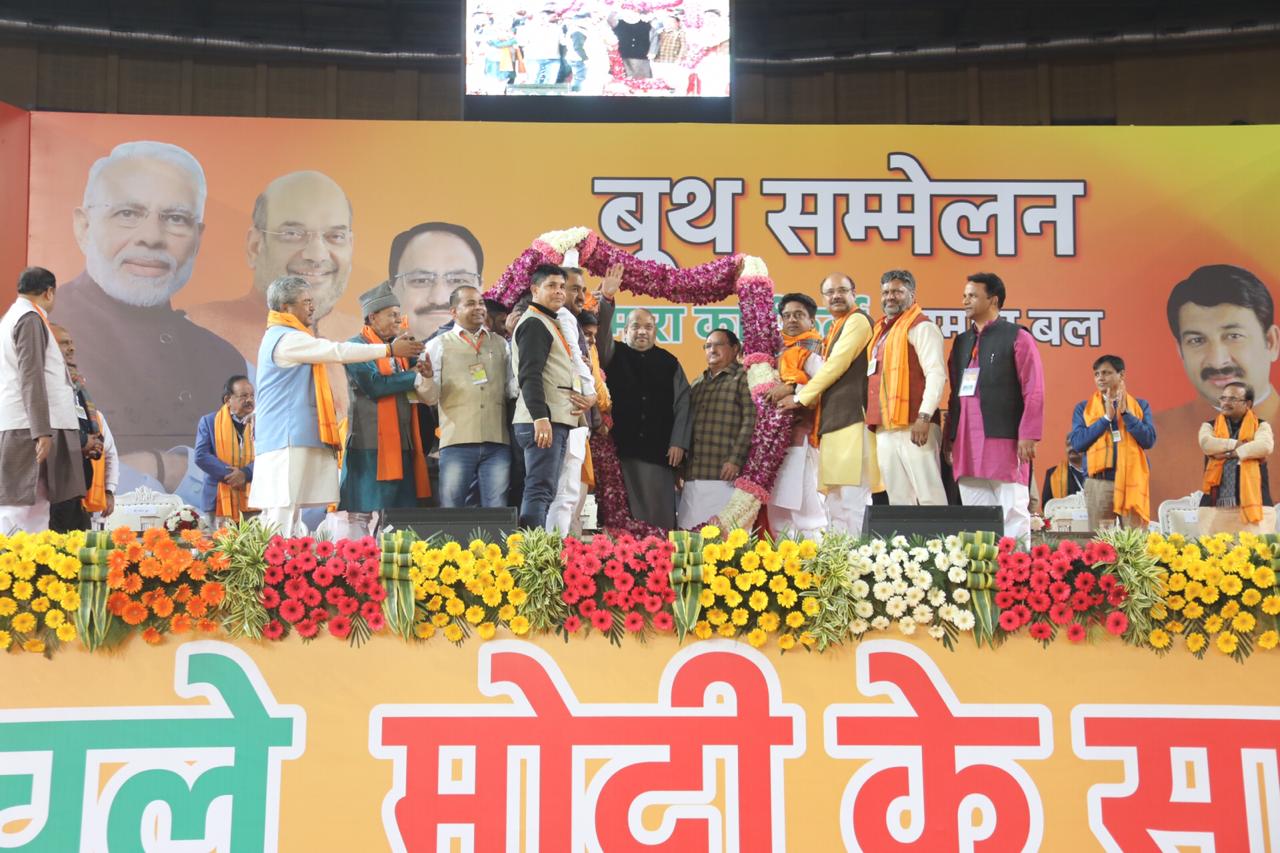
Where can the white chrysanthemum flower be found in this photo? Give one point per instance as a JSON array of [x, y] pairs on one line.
[[879, 573], [880, 623], [941, 562], [895, 607], [922, 614], [957, 574], [864, 609], [937, 597], [563, 241], [952, 542], [907, 625], [961, 596], [753, 266], [882, 590], [864, 551], [878, 546], [894, 572], [935, 546], [858, 627], [919, 554], [937, 632], [964, 620], [859, 589], [898, 541], [900, 587], [915, 595], [925, 580], [948, 612], [958, 558]]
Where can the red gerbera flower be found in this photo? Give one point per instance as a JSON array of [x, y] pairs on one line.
[[1076, 633], [269, 597], [1040, 631], [1117, 623], [601, 620], [307, 629], [663, 621], [1009, 621], [274, 630], [339, 626], [572, 624], [375, 621], [634, 622], [292, 610]]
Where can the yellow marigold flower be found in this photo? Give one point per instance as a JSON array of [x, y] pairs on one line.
[[22, 590], [710, 553], [451, 550], [779, 583], [434, 603], [727, 630], [750, 561], [717, 616], [788, 597], [706, 598], [40, 605], [6, 639], [739, 617], [1174, 627], [66, 632], [507, 612], [23, 623], [33, 646], [1193, 590], [1264, 577], [492, 598], [505, 581], [710, 531], [792, 566], [475, 614], [6, 581], [1209, 595], [738, 537], [1158, 611], [1244, 622], [448, 574], [1213, 624], [768, 622], [1266, 640], [418, 550], [733, 598], [431, 572], [726, 551], [26, 569], [485, 630], [762, 548], [1177, 582], [808, 549], [811, 606], [1250, 597], [786, 642], [1175, 602], [1231, 608], [804, 580], [69, 568], [493, 553], [455, 607], [744, 581], [519, 626], [453, 633], [720, 585], [758, 601], [1213, 577], [8, 606], [42, 583], [773, 563], [1227, 643], [795, 619], [517, 596], [1195, 642], [1158, 639], [757, 638], [1231, 585], [1270, 605], [424, 630], [440, 620], [54, 618], [807, 639], [702, 630], [1193, 610]]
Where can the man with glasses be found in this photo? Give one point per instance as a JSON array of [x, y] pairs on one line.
[[795, 506], [224, 452], [139, 227], [1236, 444], [847, 469], [428, 263]]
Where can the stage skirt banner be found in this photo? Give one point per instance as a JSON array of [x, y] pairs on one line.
[[165, 248], [710, 746]]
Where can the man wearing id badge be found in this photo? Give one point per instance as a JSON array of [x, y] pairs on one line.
[[996, 411], [1114, 430]]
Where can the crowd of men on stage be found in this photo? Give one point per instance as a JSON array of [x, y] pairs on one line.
[[511, 398]]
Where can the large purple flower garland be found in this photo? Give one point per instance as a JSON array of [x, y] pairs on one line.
[[710, 282]]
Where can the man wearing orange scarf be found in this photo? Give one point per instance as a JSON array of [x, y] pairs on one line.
[[1114, 430], [906, 374], [224, 452], [795, 504], [1237, 495], [385, 466], [296, 428]]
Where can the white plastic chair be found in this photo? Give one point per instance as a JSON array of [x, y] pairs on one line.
[[1067, 515], [141, 509], [1181, 515]]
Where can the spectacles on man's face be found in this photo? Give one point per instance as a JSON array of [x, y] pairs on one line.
[[1224, 399], [422, 279], [248, 396], [175, 221], [336, 237], [838, 291]]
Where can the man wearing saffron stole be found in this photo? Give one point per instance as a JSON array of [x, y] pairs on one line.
[[224, 452], [1114, 429], [1237, 495], [795, 505], [97, 446], [847, 468], [40, 455], [296, 427], [906, 374], [384, 466], [1064, 479], [996, 412]]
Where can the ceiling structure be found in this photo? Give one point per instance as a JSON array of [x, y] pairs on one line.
[[764, 30]]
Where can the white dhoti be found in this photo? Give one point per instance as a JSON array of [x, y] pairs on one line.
[[912, 475], [846, 508], [286, 480], [795, 504], [33, 518], [562, 514], [1012, 498], [702, 499]]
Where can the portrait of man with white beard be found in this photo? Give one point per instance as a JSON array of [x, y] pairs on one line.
[[148, 367]]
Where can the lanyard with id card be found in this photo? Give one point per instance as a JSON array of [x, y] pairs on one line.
[[477, 372], [969, 379]]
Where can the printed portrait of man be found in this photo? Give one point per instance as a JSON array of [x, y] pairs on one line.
[[301, 225], [147, 366], [428, 262], [1223, 321]]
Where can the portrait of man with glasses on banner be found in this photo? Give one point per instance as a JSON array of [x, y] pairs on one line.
[[150, 368], [427, 263]]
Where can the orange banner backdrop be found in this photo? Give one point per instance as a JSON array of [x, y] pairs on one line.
[[1091, 229]]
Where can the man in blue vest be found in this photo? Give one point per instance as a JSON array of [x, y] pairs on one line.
[[296, 438]]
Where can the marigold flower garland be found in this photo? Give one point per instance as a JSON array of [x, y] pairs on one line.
[[39, 594], [161, 586], [460, 590]]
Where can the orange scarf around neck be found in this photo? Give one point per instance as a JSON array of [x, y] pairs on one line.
[[791, 362], [1250, 469], [390, 457], [1133, 474], [325, 411], [895, 375], [1060, 482], [236, 450], [96, 499]]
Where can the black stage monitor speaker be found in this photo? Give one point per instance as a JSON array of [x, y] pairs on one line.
[[931, 521], [456, 523]]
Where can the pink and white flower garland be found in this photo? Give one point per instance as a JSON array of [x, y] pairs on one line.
[[745, 275]]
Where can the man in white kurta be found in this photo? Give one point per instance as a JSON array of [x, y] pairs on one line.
[[563, 513], [295, 432], [795, 505]]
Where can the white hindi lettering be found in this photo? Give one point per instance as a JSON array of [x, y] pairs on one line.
[[633, 216]]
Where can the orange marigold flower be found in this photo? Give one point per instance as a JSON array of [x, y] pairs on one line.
[[208, 626], [134, 612], [122, 536], [132, 584], [191, 537], [212, 593], [180, 624], [197, 607], [152, 636], [149, 567], [134, 552], [154, 536], [117, 560], [197, 573], [169, 573], [218, 561], [116, 602], [182, 593], [162, 606], [115, 576]]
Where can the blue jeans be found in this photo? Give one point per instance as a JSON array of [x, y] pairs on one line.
[[464, 467], [541, 471]]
